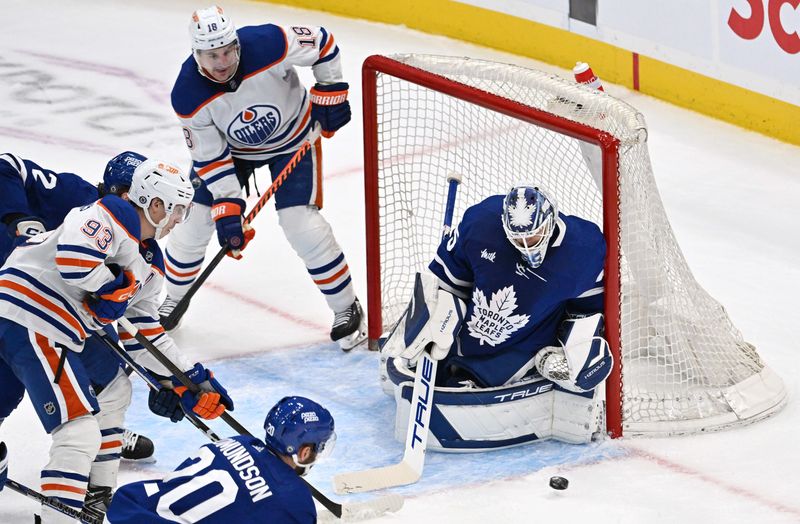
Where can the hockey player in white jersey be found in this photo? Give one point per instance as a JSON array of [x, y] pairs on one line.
[[59, 286], [242, 106], [525, 284]]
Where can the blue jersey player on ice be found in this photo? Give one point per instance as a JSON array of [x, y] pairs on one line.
[[523, 268], [525, 283], [241, 479]]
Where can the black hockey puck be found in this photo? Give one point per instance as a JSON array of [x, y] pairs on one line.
[[559, 483]]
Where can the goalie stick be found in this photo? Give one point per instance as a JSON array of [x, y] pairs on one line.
[[409, 469], [52, 502], [176, 314], [350, 511]]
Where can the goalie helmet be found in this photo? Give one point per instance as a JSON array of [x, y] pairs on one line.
[[119, 172], [295, 421], [529, 219], [155, 179]]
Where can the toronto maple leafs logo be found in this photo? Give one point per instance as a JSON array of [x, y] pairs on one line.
[[493, 321], [520, 215]]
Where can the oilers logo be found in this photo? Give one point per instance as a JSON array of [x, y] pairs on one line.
[[255, 125]]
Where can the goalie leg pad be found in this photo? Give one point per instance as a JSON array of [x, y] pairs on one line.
[[469, 419], [577, 417]]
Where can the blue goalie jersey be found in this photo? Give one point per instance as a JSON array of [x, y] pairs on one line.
[[511, 306], [233, 481]]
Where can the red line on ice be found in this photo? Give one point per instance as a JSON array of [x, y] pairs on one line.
[[731, 488], [300, 321]]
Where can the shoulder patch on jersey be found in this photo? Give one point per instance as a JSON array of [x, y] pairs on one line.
[[152, 254], [123, 213]]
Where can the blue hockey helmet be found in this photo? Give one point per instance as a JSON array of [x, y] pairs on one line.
[[295, 421], [119, 171], [529, 219]]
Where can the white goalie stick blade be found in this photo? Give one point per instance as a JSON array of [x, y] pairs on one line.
[[408, 470], [371, 509]]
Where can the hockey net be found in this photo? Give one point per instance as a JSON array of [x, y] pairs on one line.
[[681, 365]]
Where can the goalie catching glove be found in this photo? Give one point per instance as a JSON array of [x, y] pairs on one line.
[[432, 320], [329, 107], [231, 231], [583, 361], [212, 399]]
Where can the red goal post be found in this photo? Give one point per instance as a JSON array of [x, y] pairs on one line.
[[680, 364]]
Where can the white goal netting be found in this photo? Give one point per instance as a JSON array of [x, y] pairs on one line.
[[685, 366]]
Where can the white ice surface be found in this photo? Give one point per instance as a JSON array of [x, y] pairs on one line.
[[732, 196]]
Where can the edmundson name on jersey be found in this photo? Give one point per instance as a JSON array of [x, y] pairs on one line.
[[243, 462]]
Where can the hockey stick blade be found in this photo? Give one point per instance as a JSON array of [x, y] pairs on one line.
[[377, 478], [371, 509], [409, 469], [51, 502]]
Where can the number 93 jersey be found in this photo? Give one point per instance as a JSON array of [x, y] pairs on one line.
[[233, 481]]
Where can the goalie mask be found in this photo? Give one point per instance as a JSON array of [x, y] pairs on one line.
[[529, 219], [154, 179], [215, 44], [297, 421]]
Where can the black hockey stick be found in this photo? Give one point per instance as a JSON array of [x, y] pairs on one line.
[[358, 510], [53, 503], [176, 314], [409, 469], [151, 381]]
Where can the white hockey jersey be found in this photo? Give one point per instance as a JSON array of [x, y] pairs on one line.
[[44, 281], [262, 111]]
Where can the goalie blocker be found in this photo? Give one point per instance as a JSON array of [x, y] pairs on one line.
[[559, 394]]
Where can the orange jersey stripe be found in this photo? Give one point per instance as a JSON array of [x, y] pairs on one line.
[[111, 444], [75, 407], [63, 314], [327, 47], [333, 278], [63, 487], [79, 262], [212, 166], [318, 163]]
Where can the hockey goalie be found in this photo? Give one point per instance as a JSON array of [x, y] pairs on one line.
[[512, 311]]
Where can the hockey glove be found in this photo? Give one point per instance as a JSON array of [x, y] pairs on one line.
[[227, 214], [166, 403], [3, 465], [432, 321], [211, 401], [329, 106], [26, 227], [109, 302]]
